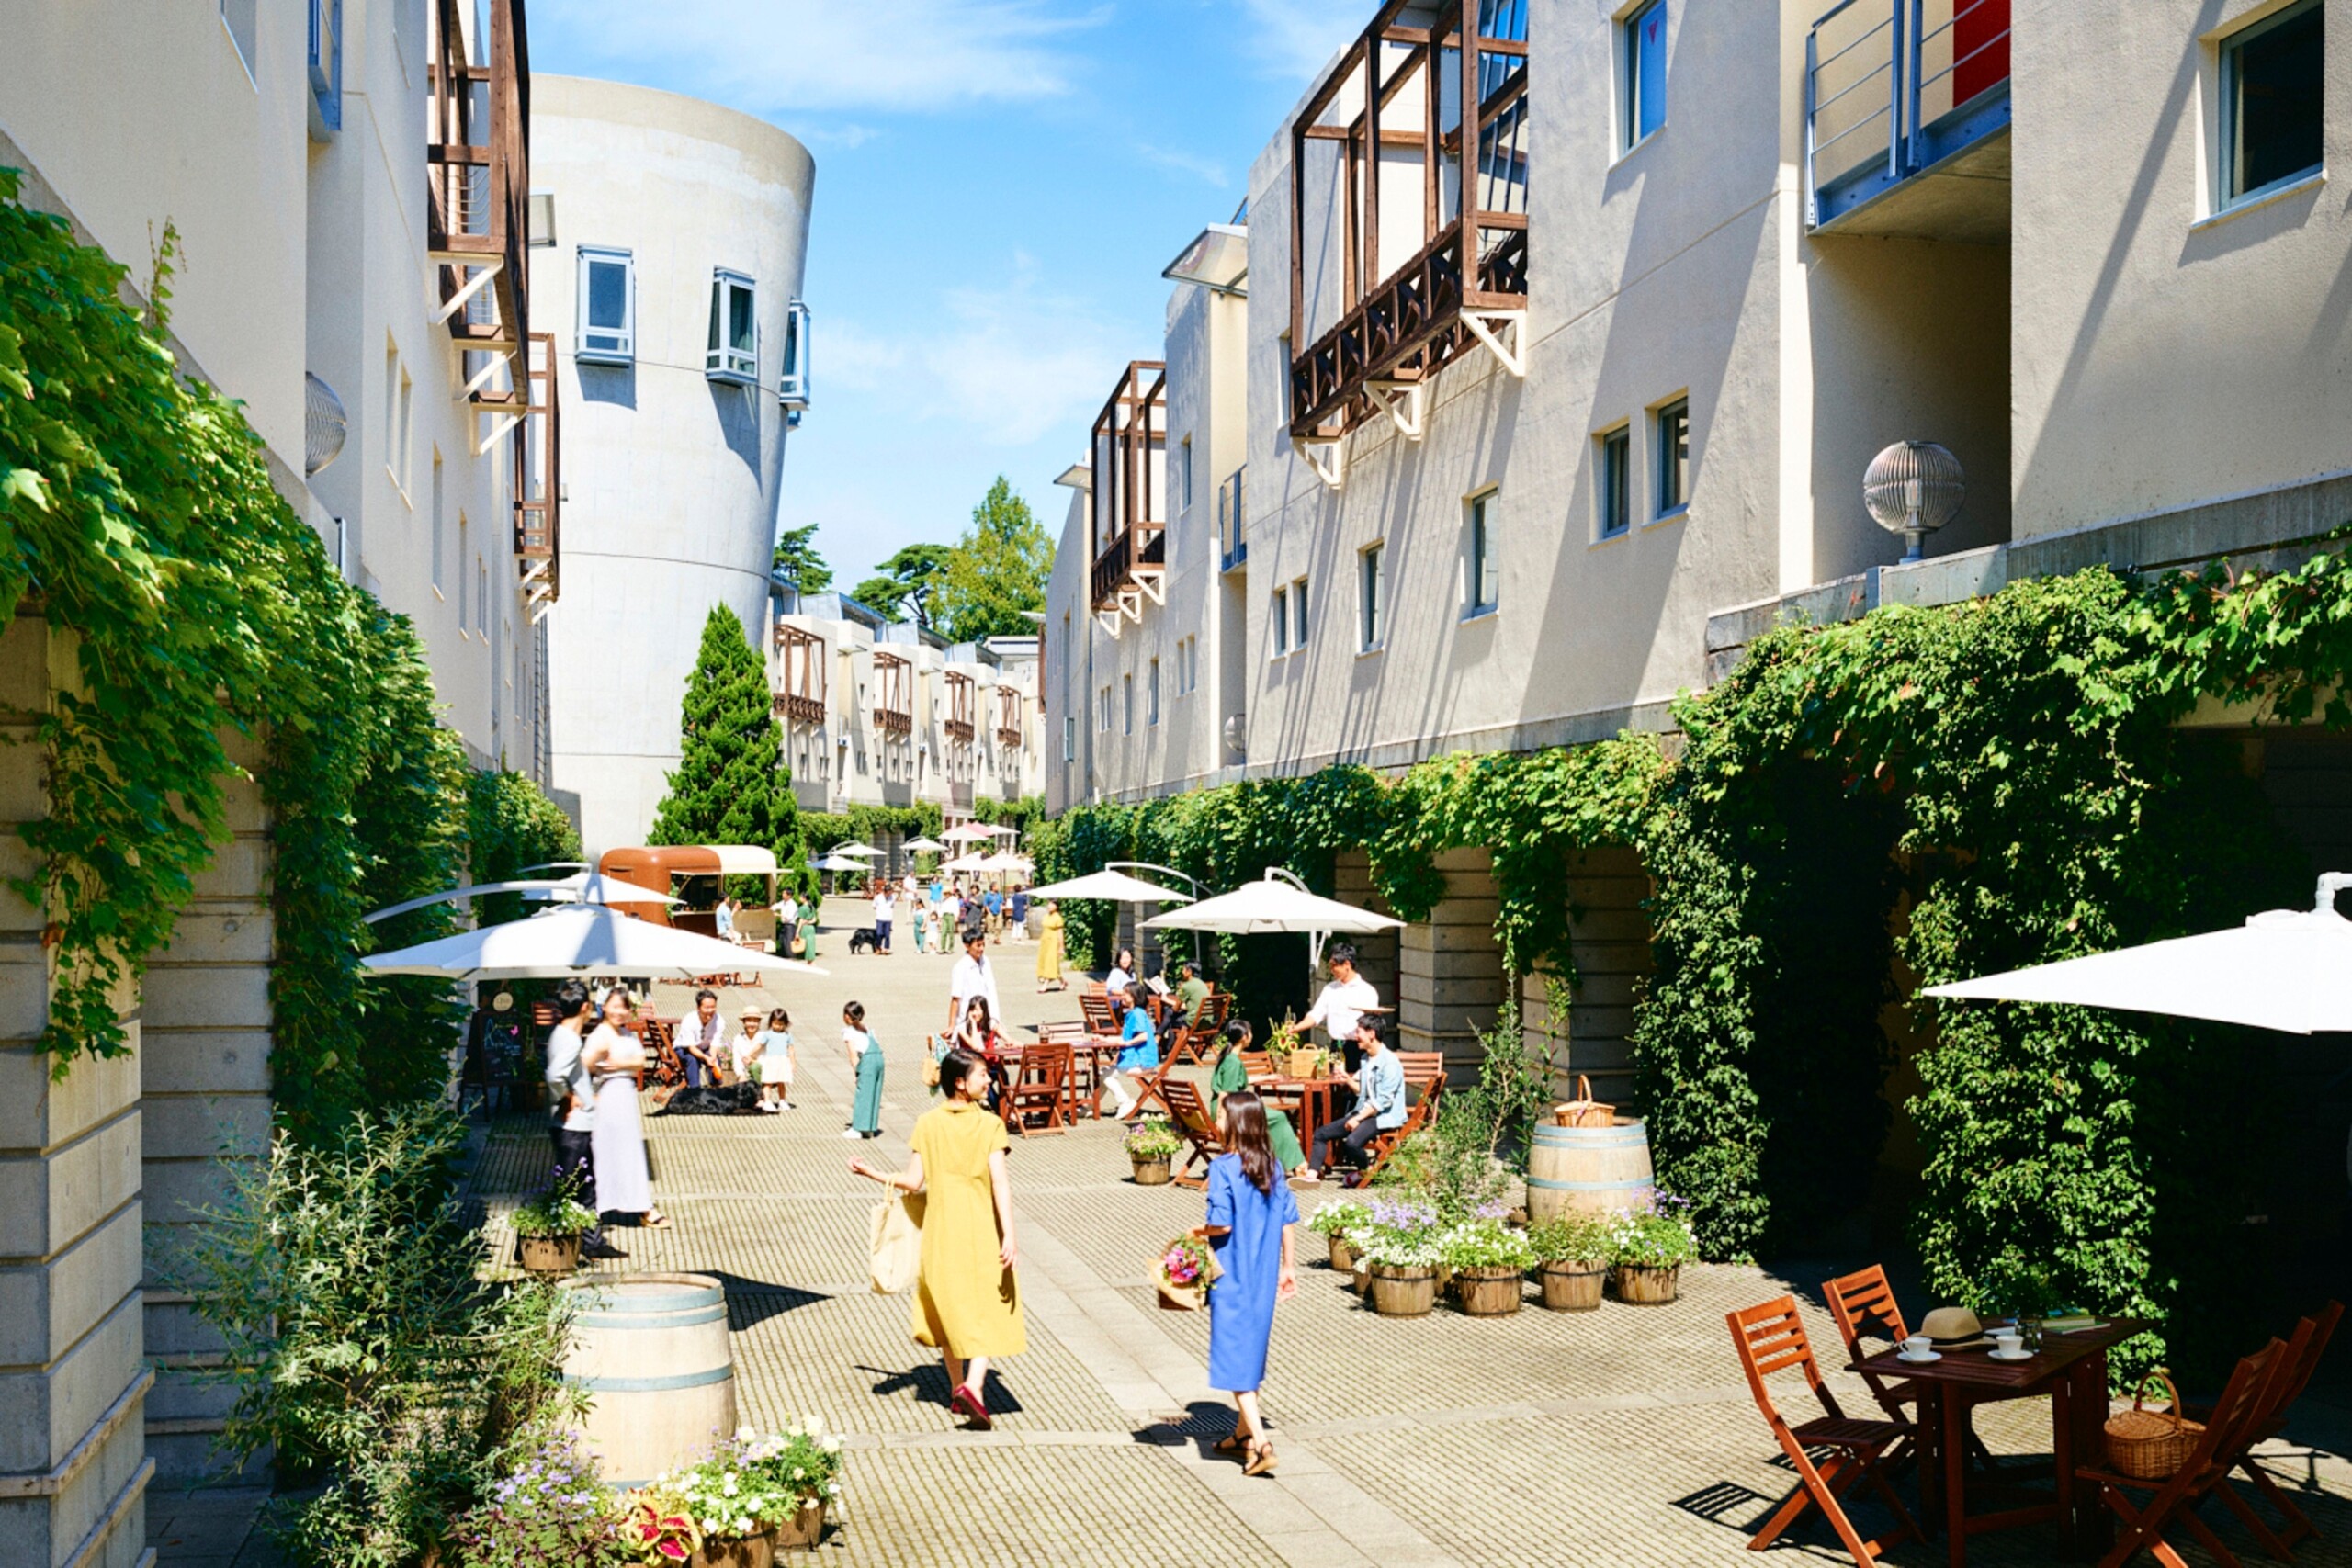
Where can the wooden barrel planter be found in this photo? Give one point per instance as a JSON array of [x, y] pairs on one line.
[[741, 1552], [1403, 1292], [652, 1350], [1152, 1173], [1343, 1256], [801, 1532], [1573, 1286], [1638, 1286], [1593, 1170], [1489, 1292], [551, 1255]]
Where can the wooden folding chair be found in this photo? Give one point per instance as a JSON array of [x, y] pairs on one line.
[[1771, 1339], [1191, 1117], [2308, 1344], [1095, 1007], [2233, 1418], [1217, 1008], [1190, 1044], [1155, 1087], [661, 1058], [1039, 1087]]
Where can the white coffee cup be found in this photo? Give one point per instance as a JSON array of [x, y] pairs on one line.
[[1918, 1348], [2008, 1341]]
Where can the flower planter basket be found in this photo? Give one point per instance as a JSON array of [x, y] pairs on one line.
[[2149, 1445], [1403, 1292], [1302, 1064], [1489, 1292], [550, 1255], [1151, 1172], [1360, 1276], [1573, 1286], [802, 1531], [1343, 1256], [739, 1552], [1640, 1286]]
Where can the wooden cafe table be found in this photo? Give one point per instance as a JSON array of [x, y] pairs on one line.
[[2070, 1368]]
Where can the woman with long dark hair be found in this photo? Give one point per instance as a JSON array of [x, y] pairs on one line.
[[1252, 1214], [967, 1302], [1230, 1077]]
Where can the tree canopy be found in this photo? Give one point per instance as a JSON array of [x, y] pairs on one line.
[[796, 555], [906, 582], [996, 572], [732, 785]]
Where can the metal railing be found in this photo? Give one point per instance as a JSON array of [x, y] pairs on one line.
[[1890, 73]]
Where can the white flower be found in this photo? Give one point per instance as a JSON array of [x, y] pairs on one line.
[[732, 1485], [832, 1488], [798, 1473], [746, 1432], [742, 1527], [710, 1526], [816, 1426], [831, 1445]]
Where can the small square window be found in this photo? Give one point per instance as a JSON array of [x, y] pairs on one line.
[[793, 384], [733, 351], [2272, 102], [1278, 622], [1674, 456], [1643, 69], [1371, 625], [607, 333], [1614, 499], [1479, 588], [1299, 613]]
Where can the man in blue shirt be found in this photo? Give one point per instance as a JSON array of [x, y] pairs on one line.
[[1139, 1053], [1380, 1100]]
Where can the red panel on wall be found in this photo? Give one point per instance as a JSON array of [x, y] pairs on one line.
[[1980, 47]]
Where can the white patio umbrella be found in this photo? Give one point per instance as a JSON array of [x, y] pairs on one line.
[[838, 862], [966, 863], [923, 846], [586, 887], [1112, 887], [2288, 969], [1004, 861], [580, 940], [865, 851], [1272, 907], [966, 832]]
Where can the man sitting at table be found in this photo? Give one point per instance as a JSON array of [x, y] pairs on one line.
[[1185, 1003], [1380, 1100], [1138, 1053]]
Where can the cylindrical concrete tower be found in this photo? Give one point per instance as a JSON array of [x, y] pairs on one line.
[[671, 235]]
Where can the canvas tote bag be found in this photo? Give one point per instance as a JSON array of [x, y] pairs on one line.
[[894, 1241]]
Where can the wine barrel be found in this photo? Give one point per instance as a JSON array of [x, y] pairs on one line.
[[1594, 1170], [652, 1350]]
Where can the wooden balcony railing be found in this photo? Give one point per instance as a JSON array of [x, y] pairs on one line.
[[1008, 732], [894, 694], [959, 725], [800, 690], [1127, 502], [539, 497], [478, 165]]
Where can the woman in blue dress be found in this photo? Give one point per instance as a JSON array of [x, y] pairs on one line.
[[1251, 1215]]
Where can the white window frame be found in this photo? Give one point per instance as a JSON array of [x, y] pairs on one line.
[[1630, 133], [1151, 698], [1278, 622], [624, 351], [2227, 142], [1671, 465], [1297, 613], [722, 360], [1617, 438], [1481, 593], [1128, 703], [794, 379], [1371, 607]]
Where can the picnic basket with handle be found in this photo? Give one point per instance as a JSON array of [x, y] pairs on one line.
[[2149, 1445], [1584, 1110]]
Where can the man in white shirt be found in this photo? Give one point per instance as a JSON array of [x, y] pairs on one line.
[[1346, 998], [882, 912], [571, 1106], [701, 1040], [787, 925], [973, 977]]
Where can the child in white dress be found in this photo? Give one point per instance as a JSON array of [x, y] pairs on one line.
[[777, 1063]]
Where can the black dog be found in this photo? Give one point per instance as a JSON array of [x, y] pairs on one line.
[[862, 940]]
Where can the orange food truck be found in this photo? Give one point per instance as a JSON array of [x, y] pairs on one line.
[[659, 867]]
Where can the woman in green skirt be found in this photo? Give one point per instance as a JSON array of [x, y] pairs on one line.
[[866, 1061], [1231, 1078]]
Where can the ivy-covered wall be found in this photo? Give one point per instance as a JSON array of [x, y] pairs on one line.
[[1956, 790]]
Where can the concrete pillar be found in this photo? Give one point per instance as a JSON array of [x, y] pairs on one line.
[[74, 1381], [1612, 948], [1375, 955], [1449, 971], [205, 1078]]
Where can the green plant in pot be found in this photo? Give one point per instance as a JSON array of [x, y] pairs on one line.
[[1647, 1247], [1398, 1244], [1152, 1145], [755, 1495], [553, 1511], [1489, 1260], [548, 1227], [1332, 1223], [1572, 1253]]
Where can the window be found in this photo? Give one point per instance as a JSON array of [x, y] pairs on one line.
[[1127, 703], [1278, 622], [1478, 585], [1370, 624], [607, 307], [465, 541], [439, 521], [734, 349], [792, 385], [1069, 738], [399, 401], [242, 19], [1231, 539], [326, 66], [1188, 474], [1674, 456], [1299, 613], [540, 227], [1151, 695], [1615, 499], [2271, 102], [481, 600], [1642, 70]]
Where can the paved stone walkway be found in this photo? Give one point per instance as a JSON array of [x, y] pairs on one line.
[[1621, 1435]]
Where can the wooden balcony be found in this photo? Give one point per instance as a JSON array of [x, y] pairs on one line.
[[477, 167], [1010, 733], [959, 725], [1128, 504], [894, 694], [800, 676], [538, 497]]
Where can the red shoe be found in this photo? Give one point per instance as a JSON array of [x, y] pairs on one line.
[[966, 1401]]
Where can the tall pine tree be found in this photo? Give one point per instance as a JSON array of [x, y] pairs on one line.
[[732, 785]]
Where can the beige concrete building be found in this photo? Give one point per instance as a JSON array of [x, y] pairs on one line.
[[1529, 449], [673, 233]]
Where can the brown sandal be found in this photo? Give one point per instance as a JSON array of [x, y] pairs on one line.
[[1231, 1443], [1261, 1458]]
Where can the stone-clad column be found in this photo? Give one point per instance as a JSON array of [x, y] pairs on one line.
[[1609, 940], [204, 1057], [1449, 971], [74, 1381]]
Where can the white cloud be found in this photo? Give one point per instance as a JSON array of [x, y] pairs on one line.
[[796, 56], [1297, 37], [1206, 169]]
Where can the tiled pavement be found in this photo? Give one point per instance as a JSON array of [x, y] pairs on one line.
[[1599, 1439]]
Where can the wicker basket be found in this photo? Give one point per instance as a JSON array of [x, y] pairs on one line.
[[2149, 1445], [1583, 1110]]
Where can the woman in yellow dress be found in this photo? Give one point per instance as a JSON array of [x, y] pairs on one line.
[[967, 1302], [1049, 950]]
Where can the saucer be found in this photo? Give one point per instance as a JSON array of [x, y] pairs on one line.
[[1907, 1356], [2020, 1354]]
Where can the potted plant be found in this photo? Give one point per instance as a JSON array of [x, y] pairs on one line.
[[1186, 1269], [1647, 1247], [1151, 1146], [1489, 1261], [1571, 1259], [549, 1226], [1291, 1057], [1398, 1244], [552, 1512], [756, 1494], [1331, 1222]]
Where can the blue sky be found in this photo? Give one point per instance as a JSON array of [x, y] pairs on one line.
[[999, 183]]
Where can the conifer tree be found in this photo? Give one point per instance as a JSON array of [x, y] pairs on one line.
[[732, 785]]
